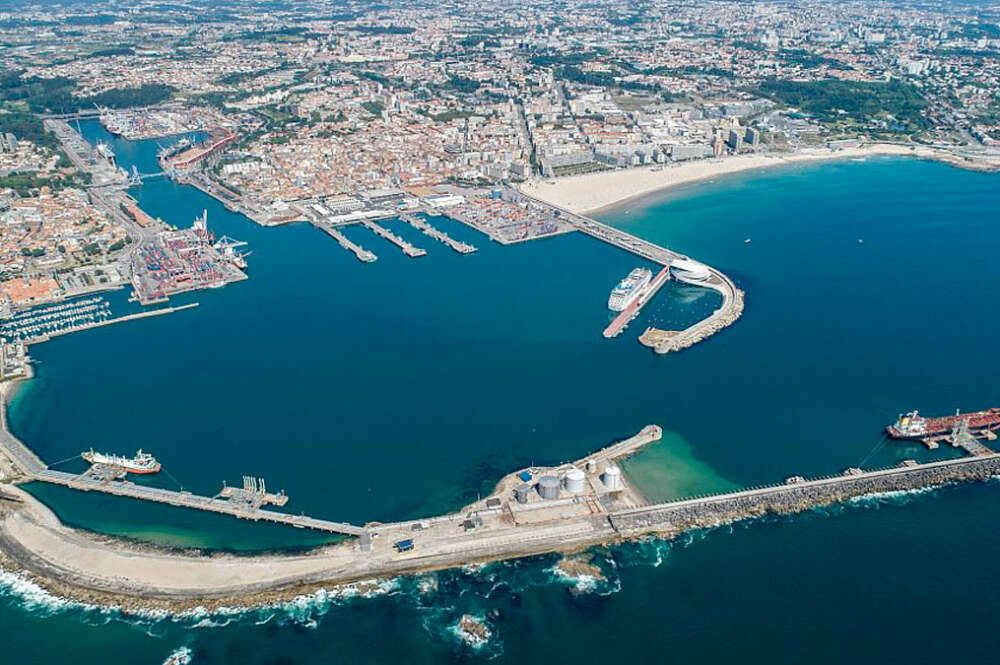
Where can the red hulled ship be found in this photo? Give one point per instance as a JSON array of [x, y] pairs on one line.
[[914, 426]]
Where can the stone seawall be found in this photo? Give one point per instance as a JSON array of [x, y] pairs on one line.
[[786, 499]]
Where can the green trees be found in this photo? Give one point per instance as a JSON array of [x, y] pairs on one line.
[[832, 99]]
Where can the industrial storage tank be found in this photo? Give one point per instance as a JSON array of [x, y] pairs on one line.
[[548, 487], [574, 481], [521, 492], [591, 466], [612, 478]]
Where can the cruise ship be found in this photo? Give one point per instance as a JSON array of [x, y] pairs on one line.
[[629, 289], [141, 463]]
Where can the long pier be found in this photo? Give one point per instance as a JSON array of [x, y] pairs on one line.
[[616, 327], [407, 248], [426, 228], [231, 501], [364, 255], [218, 504], [109, 322]]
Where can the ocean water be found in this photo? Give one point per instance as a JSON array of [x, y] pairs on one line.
[[409, 386]]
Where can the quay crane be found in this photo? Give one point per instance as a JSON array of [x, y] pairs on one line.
[[227, 247]]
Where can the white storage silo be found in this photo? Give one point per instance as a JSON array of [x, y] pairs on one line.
[[612, 478], [521, 492], [574, 481], [548, 487]]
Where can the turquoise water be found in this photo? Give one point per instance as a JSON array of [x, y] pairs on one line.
[[406, 387]]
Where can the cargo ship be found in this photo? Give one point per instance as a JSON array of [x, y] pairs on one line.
[[629, 289], [169, 151], [141, 463], [914, 426]]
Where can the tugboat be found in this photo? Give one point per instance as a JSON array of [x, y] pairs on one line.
[[141, 463], [914, 426]]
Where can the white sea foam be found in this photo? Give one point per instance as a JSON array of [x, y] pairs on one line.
[[582, 583], [894, 496], [179, 656], [470, 638], [303, 610], [35, 598]]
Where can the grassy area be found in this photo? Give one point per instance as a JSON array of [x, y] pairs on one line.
[[833, 100], [27, 127], [448, 116], [57, 95], [633, 102], [374, 108], [27, 184], [579, 169]]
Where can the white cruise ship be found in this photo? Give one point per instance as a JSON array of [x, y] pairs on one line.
[[629, 289]]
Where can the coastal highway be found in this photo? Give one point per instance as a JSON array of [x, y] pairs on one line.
[[22, 460]]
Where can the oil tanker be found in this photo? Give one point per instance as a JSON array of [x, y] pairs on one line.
[[914, 426]]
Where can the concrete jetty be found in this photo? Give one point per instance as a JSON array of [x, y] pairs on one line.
[[665, 341], [363, 254], [619, 323], [223, 503], [626, 447], [425, 227], [407, 248], [110, 322]]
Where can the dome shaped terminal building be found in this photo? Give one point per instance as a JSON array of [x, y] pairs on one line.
[[690, 272]]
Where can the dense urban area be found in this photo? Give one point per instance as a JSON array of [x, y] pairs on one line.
[[319, 103]]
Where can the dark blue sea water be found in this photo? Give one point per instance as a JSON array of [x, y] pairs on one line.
[[408, 386]]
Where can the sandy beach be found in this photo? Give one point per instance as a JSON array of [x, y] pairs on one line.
[[596, 191], [136, 577]]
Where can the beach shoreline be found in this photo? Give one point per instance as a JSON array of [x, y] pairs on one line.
[[596, 193]]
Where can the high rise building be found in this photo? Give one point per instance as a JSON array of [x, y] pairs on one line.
[[735, 140]]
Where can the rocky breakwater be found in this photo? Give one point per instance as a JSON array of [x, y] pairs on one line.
[[665, 341], [797, 496]]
